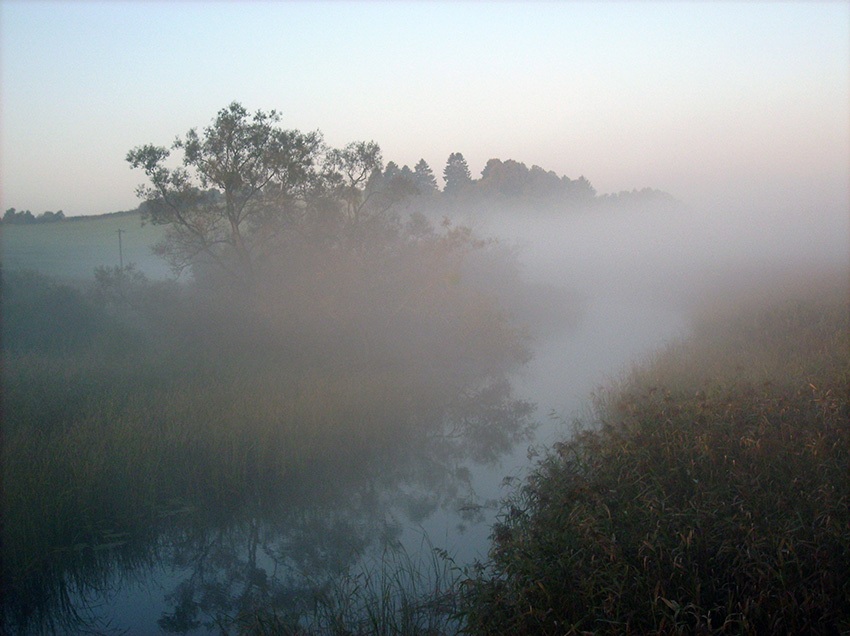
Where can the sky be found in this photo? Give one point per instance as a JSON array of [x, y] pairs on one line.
[[710, 101]]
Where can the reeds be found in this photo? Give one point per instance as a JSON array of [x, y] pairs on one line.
[[175, 403], [710, 495], [391, 594]]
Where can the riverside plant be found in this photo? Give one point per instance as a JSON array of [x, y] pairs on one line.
[[156, 409], [709, 495], [391, 594]]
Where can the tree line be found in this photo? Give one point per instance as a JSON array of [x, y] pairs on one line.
[[23, 217], [246, 188]]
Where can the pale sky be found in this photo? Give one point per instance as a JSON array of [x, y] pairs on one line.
[[706, 100]]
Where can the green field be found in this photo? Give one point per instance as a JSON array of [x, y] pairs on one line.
[[73, 248]]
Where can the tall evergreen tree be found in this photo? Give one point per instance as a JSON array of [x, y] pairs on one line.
[[424, 178], [391, 171], [456, 174]]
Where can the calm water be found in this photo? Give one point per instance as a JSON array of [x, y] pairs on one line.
[[212, 567], [190, 567]]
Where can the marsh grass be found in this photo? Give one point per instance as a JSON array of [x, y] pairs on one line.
[[164, 408], [709, 495], [91, 485], [393, 593]]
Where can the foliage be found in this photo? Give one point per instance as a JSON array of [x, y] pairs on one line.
[[241, 179], [712, 503], [42, 315], [391, 594], [154, 407], [366, 195], [645, 197], [424, 178], [249, 189], [512, 181], [456, 174], [23, 217]]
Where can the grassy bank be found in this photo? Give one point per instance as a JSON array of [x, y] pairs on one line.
[[709, 495]]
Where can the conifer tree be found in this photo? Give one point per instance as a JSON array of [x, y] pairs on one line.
[[456, 174]]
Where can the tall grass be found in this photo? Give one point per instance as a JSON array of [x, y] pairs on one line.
[[95, 471], [709, 495], [159, 411], [392, 593]]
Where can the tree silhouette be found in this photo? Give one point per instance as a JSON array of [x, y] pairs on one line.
[[424, 178], [456, 174], [237, 175]]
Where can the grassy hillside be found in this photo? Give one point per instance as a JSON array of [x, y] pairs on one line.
[[711, 495], [73, 248]]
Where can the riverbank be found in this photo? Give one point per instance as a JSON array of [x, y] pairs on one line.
[[708, 495]]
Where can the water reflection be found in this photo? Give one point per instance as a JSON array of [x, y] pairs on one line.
[[260, 540], [246, 441]]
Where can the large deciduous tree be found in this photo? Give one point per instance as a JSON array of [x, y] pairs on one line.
[[364, 193], [350, 170], [241, 179]]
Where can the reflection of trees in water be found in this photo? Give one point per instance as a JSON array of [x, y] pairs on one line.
[[281, 559], [363, 382], [265, 543], [257, 564]]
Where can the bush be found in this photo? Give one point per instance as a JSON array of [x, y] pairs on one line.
[[41, 314], [713, 505]]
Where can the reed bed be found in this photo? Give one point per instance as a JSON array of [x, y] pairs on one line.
[[710, 494], [157, 411]]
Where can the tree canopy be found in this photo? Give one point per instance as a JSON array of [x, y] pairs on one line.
[[456, 174], [424, 178], [24, 217], [245, 187], [241, 179]]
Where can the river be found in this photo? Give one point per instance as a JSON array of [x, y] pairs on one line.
[[621, 286]]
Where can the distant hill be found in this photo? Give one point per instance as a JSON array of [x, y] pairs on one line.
[[105, 215], [71, 249]]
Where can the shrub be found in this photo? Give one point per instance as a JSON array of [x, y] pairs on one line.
[[705, 505], [41, 314]]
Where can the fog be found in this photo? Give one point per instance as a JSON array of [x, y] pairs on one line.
[[367, 378], [296, 388], [594, 289], [633, 279], [666, 267]]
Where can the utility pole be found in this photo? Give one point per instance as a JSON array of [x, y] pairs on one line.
[[120, 250]]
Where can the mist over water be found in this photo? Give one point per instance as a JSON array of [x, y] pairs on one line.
[[673, 254], [329, 350], [639, 278], [622, 283], [596, 289]]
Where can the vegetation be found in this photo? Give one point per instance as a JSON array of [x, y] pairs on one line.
[[709, 495], [391, 594], [242, 179], [73, 249], [25, 217], [247, 188], [155, 423], [712, 495], [330, 329]]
